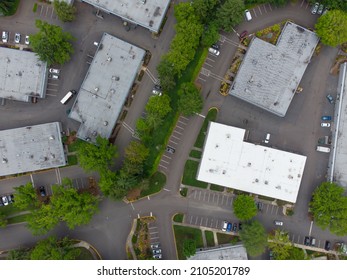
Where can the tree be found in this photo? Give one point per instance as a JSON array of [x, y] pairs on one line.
[[280, 245], [53, 249], [190, 101], [254, 238], [51, 43], [158, 105], [210, 35], [332, 28], [72, 207], [42, 220], [25, 197], [230, 14], [97, 157], [189, 247], [64, 11], [19, 254], [296, 254], [166, 73], [244, 207], [6, 6], [329, 208], [204, 8], [135, 155]]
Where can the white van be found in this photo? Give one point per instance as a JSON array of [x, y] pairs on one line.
[[67, 97], [248, 15], [323, 149]]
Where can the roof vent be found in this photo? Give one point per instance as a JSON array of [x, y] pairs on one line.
[[115, 78], [96, 89], [4, 160], [256, 180], [266, 182], [51, 137], [228, 136], [105, 123], [249, 164], [109, 58], [94, 133], [224, 171], [112, 90], [88, 139]]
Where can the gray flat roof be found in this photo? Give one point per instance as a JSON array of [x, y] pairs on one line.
[[229, 252], [230, 162], [22, 74], [31, 148], [105, 87], [340, 151], [147, 13], [269, 75]]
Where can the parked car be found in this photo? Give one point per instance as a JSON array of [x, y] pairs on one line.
[[235, 227], [4, 200], [315, 8], [259, 205], [326, 118], [213, 51], [330, 99], [267, 138], [27, 41], [53, 76], [215, 46], [33, 99], [158, 257], [9, 198], [327, 245], [307, 240], [278, 223], [156, 251], [155, 246], [229, 227], [313, 241], [170, 150], [4, 36], [324, 124], [54, 71], [17, 38], [243, 34], [320, 9], [325, 10], [240, 226], [42, 191], [225, 225], [157, 90]]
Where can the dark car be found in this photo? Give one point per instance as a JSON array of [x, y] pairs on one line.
[[327, 245], [155, 246], [307, 241], [330, 99], [170, 150], [259, 206], [42, 191], [240, 226], [326, 118], [215, 46], [229, 227], [9, 198], [243, 34], [156, 251], [235, 227]]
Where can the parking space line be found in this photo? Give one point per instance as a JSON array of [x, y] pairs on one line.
[[154, 232], [163, 166], [254, 12], [277, 211], [199, 194], [177, 126], [182, 122], [209, 194], [202, 79], [173, 142], [177, 132], [307, 4], [195, 195], [208, 58], [259, 10], [204, 196], [184, 118], [270, 7], [213, 198], [167, 156], [52, 13], [201, 221], [191, 218], [208, 64], [46, 11], [196, 220], [152, 228], [41, 9], [175, 137], [206, 222], [52, 89], [155, 237], [265, 9], [165, 161]]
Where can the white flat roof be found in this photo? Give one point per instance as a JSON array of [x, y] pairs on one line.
[[147, 13], [230, 162], [31, 148], [106, 86], [22, 74], [229, 252], [269, 75]]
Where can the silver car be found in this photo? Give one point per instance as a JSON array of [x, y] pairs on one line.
[[315, 8], [4, 36], [320, 9], [17, 38]]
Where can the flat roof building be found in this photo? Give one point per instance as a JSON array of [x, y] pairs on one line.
[[105, 87], [22, 75], [229, 252], [338, 166], [146, 13], [270, 74], [230, 162], [31, 148]]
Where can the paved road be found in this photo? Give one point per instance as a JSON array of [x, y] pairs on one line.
[[109, 228]]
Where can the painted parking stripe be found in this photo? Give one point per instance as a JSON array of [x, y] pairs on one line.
[[184, 118], [270, 7], [184, 123], [163, 166], [196, 220], [254, 12], [175, 137], [259, 10], [177, 132], [165, 161], [265, 9], [222, 200], [173, 142], [177, 126], [167, 156], [199, 195], [208, 64], [201, 79], [204, 196], [209, 58]]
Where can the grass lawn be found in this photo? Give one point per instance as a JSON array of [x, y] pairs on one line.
[[178, 218], [9, 210], [226, 238], [18, 219], [156, 183], [209, 238], [216, 188], [72, 160], [182, 233], [73, 146], [195, 154], [189, 175], [211, 116]]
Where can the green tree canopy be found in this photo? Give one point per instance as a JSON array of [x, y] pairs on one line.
[[280, 245], [158, 105], [64, 11], [332, 28], [19, 254], [210, 35], [42, 220], [25, 197], [296, 254], [135, 155], [189, 247], [254, 238], [166, 74], [230, 14], [204, 9], [244, 207], [190, 101], [329, 208], [53, 249], [97, 157], [6, 6], [51, 43]]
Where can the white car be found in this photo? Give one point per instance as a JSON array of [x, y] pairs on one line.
[[53, 76], [225, 226], [267, 139], [278, 223], [27, 42], [315, 8], [4, 200], [320, 9], [4, 36], [324, 124], [17, 38], [213, 51], [54, 71]]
